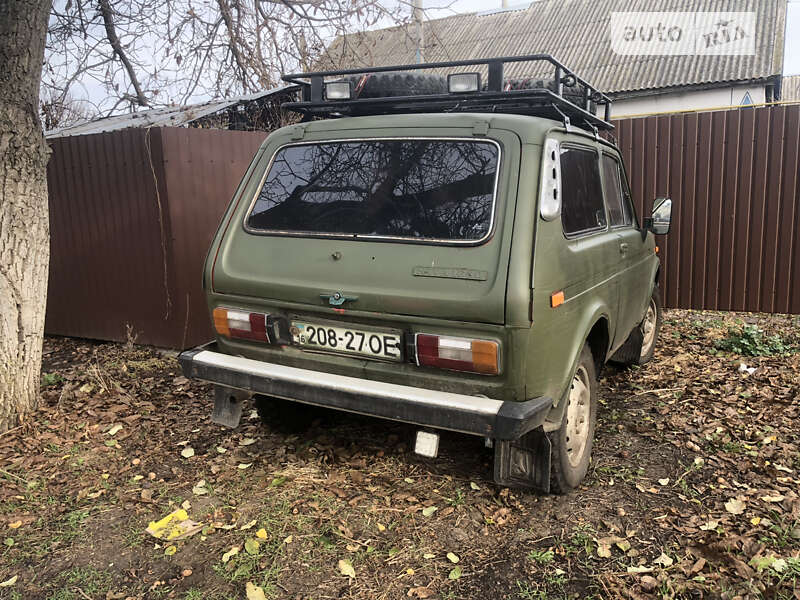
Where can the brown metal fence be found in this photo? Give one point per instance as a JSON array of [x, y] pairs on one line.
[[733, 177], [132, 214]]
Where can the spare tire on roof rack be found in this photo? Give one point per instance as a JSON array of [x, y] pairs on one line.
[[572, 93], [393, 83]]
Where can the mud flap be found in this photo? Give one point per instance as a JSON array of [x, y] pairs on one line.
[[523, 463], [228, 406]]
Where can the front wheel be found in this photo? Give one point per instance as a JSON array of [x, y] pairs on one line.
[[572, 442]]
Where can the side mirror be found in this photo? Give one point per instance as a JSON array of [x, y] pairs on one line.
[[659, 223]]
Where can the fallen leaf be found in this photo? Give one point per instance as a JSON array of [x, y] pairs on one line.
[[777, 498], [187, 452], [175, 526], [698, 566], [115, 429], [249, 525], [230, 554], [247, 441], [254, 592], [474, 486], [648, 583], [603, 550], [288, 539], [664, 481], [755, 520], [221, 450], [9, 582], [381, 527], [453, 558], [419, 592], [779, 565], [710, 526], [15, 525], [664, 560], [200, 488], [735, 506], [429, 510], [640, 569], [245, 465], [251, 546], [346, 568], [624, 545], [455, 573], [261, 534], [170, 550], [428, 555]]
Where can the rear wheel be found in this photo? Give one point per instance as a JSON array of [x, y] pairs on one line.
[[572, 442], [640, 346], [650, 327]]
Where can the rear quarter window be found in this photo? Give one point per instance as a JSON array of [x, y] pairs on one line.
[[582, 208]]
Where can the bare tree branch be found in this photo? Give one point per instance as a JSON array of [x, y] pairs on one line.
[[111, 33]]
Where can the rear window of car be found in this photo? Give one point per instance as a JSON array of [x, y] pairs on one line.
[[427, 190]]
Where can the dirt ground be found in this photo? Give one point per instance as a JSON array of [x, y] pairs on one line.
[[692, 492]]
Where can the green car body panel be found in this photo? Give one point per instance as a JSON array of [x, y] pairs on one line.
[[497, 290]]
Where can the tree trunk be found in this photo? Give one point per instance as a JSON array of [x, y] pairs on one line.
[[24, 225]]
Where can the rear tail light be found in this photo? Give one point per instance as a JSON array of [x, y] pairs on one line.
[[241, 324], [457, 354]]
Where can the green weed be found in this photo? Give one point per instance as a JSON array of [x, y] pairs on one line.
[[751, 340]]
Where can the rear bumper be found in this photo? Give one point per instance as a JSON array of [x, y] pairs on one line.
[[444, 410]]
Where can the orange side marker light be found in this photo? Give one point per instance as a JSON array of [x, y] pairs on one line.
[[557, 299]]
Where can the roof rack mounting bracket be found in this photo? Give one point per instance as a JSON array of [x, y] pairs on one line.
[[495, 83], [480, 128], [564, 118]]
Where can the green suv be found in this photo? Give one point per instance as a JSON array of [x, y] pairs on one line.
[[441, 252]]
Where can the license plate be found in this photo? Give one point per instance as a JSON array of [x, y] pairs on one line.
[[347, 340]]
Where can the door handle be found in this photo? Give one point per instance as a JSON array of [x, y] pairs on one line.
[[623, 247]]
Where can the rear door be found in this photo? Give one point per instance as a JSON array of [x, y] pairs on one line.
[[633, 268], [404, 226], [592, 257]]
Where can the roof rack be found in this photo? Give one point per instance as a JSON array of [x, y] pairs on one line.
[[496, 96]]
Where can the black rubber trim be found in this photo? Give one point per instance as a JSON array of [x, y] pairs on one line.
[[186, 357], [513, 420]]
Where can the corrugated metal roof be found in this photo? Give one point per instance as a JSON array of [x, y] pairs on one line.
[[170, 116], [790, 88], [577, 33]]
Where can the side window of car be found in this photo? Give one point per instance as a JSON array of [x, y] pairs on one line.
[[582, 209], [619, 210]]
